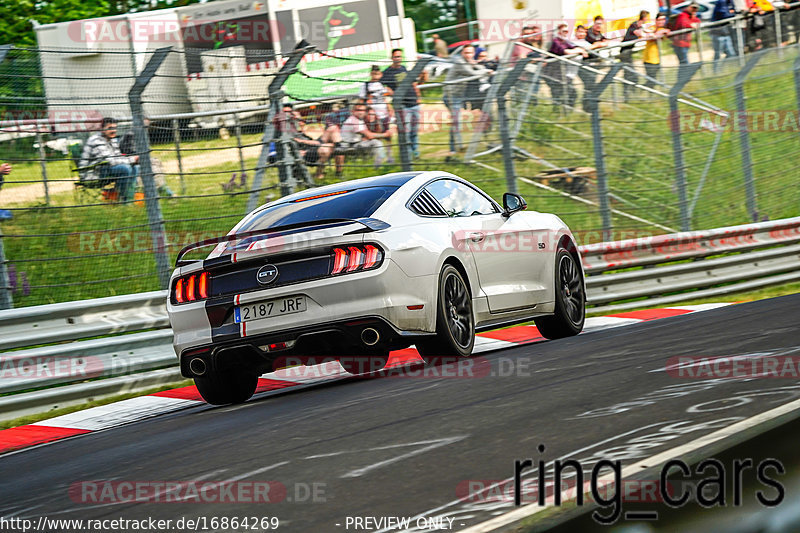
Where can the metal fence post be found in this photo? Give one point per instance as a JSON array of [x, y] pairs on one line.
[[176, 136], [403, 88], [685, 74], [237, 128], [744, 135], [740, 42], [285, 159], [146, 170], [43, 163], [6, 299], [275, 96], [599, 155], [505, 135], [778, 32], [699, 39]]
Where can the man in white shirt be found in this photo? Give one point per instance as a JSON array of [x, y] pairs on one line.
[[355, 134], [373, 92]]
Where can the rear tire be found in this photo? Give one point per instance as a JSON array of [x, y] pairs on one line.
[[231, 386], [455, 323], [570, 310]]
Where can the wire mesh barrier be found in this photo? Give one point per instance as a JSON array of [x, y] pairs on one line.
[[616, 148]]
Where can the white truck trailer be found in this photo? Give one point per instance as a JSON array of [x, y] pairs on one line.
[[227, 50]]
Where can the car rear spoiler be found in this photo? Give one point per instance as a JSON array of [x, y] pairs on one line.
[[369, 225]]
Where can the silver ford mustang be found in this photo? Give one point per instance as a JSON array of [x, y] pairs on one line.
[[359, 268]]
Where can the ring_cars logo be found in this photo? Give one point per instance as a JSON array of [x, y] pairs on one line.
[[267, 274]]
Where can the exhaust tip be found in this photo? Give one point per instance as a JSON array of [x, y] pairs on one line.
[[197, 366], [370, 336]]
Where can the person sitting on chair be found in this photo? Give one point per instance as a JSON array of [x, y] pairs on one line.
[[356, 135], [103, 147], [127, 146]]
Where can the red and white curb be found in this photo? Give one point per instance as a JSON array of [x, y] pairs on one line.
[[143, 407]]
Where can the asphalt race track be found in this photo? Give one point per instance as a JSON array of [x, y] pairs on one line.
[[407, 447]]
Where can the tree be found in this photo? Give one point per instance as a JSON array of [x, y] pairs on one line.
[[430, 14]]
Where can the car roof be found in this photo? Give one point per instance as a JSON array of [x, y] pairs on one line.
[[395, 179]]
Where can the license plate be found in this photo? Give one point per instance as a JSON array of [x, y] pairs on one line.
[[277, 307]]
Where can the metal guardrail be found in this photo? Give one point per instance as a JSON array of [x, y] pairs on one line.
[[763, 254], [621, 275]]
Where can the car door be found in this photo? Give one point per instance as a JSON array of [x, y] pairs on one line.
[[506, 251]]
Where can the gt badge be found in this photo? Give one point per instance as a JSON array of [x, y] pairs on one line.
[[267, 274]]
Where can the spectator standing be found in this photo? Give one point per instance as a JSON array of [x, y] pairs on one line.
[[759, 26], [561, 87], [587, 77], [596, 38], [476, 89], [373, 93], [532, 36], [464, 66], [409, 108], [635, 31], [439, 46], [721, 37], [103, 147], [594, 35], [356, 135], [681, 42], [652, 55]]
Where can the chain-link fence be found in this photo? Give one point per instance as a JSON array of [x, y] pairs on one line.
[[616, 148]]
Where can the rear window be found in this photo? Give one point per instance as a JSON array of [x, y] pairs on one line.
[[356, 203]]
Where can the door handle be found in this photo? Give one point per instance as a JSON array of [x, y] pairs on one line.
[[477, 236]]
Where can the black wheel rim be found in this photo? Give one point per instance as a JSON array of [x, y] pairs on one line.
[[571, 289], [457, 310]]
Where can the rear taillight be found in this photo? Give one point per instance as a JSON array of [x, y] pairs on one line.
[[356, 258], [372, 256], [202, 287], [179, 291], [190, 293], [191, 288], [339, 260]]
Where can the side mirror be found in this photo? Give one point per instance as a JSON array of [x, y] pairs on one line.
[[512, 203]]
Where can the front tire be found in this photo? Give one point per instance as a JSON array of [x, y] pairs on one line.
[[455, 322], [231, 386], [570, 310]]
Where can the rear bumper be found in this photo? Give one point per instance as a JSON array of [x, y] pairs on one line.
[[384, 294], [332, 340]]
